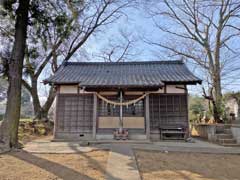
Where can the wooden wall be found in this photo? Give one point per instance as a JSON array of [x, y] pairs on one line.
[[74, 113], [167, 109], [68, 89], [128, 122]]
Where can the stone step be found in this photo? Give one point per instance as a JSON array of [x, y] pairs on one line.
[[227, 141], [231, 145], [227, 126], [130, 137], [227, 131], [120, 142], [224, 136]]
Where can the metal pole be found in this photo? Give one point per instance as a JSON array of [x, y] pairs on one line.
[[121, 114]]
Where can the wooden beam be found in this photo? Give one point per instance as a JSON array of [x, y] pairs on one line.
[[98, 89], [94, 116], [147, 116]]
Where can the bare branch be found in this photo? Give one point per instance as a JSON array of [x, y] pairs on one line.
[[27, 86], [47, 59], [120, 49]]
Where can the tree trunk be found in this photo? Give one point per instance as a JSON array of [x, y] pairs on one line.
[[216, 74], [217, 95], [41, 112], [9, 126], [216, 79], [41, 115], [216, 112], [35, 98], [50, 99]]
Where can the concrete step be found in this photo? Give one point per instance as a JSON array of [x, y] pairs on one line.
[[112, 141], [231, 145], [227, 141], [120, 142], [130, 137], [227, 131], [227, 126], [224, 136]]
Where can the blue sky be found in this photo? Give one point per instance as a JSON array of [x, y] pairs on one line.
[[141, 26]]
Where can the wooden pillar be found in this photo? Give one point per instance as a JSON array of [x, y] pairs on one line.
[[188, 122], [147, 116], [94, 116], [56, 112], [121, 114]]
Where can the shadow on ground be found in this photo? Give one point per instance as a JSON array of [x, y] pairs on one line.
[[94, 162], [57, 169]]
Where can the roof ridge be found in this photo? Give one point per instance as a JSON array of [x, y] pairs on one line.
[[126, 63]]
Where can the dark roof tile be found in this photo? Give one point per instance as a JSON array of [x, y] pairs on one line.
[[123, 74]]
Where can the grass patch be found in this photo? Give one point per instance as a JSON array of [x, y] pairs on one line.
[[26, 120]]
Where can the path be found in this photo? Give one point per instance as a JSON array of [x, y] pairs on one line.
[[58, 147], [198, 146], [121, 161], [122, 164]]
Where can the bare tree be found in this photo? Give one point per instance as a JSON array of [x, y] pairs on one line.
[[63, 41], [119, 49], [204, 32]]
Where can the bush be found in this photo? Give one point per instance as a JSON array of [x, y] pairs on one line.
[[197, 107]]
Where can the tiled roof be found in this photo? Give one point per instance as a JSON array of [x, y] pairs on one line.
[[123, 74]]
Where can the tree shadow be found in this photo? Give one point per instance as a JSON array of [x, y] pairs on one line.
[[131, 165], [59, 170], [92, 161]]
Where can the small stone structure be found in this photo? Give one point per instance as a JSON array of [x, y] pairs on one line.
[[206, 131], [224, 134], [236, 132], [233, 109]]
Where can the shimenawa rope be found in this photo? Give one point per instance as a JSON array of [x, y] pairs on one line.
[[123, 103]]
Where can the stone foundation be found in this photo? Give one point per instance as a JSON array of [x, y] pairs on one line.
[[207, 131], [236, 132], [74, 136]]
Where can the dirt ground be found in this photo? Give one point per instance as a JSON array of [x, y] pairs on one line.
[[26, 166], [155, 165]]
